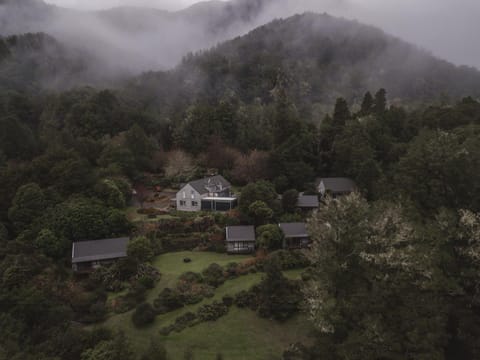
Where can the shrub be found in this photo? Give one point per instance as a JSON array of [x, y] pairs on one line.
[[212, 312], [184, 321], [231, 269], [246, 299], [228, 300], [168, 300], [269, 237], [140, 249], [214, 275], [288, 260], [147, 281], [144, 314], [191, 277]]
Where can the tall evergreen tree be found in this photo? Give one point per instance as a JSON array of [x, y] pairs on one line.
[[367, 104], [380, 103], [341, 113]]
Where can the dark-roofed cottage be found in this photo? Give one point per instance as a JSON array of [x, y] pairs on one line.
[[208, 194], [296, 236], [335, 186], [307, 202], [240, 239], [89, 255]]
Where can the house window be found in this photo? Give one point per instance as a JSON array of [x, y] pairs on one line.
[[193, 194], [194, 203], [183, 203], [241, 245], [184, 195]]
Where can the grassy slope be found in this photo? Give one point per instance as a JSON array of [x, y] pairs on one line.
[[239, 335]]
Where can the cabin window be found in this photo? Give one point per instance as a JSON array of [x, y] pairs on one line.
[[183, 203], [184, 195], [194, 203]]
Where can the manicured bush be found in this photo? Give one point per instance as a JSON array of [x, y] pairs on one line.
[[144, 314], [246, 299], [184, 321], [212, 312], [168, 300], [214, 275]]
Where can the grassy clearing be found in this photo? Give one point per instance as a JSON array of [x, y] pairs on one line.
[[171, 266], [239, 335]]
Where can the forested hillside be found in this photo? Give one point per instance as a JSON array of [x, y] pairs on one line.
[[36, 62], [390, 271], [323, 57]]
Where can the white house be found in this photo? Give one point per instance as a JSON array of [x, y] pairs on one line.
[[208, 194]]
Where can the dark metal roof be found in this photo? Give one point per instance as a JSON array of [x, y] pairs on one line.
[[94, 250], [338, 185], [212, 184], [292, 230], [240, 233], [308, 201]]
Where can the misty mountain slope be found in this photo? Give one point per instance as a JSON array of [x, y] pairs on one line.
[[135, 39], [324, 57], [38, 61]]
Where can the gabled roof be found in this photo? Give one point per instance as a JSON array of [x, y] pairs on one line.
[[337, 185], [211, 184], [240, 233], [307, 201], [94, 250], [293, 230]]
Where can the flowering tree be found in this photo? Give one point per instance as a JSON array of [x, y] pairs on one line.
[[373, 290]]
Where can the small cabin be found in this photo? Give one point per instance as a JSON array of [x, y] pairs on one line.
[[89, 255], [240, 239], [295, 235], [307, 202], [335, 187]]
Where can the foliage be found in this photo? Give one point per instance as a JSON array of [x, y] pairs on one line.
[[354, 245], [28, 204], [290, 200], [260, 212], [278, 297], [143, 315], [140, 249], [155, 351], [117, 348], [270, 237], [214, 275], [168, 300], [3, 233], [50, 244], [259, 191]]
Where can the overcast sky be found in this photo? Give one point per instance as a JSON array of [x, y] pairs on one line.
[[447, 28]]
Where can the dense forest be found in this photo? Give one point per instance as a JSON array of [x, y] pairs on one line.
[[394, 269]]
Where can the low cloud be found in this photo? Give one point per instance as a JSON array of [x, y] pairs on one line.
[[139, 40]]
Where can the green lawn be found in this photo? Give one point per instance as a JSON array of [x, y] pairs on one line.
[[239, 335], [171, 266]]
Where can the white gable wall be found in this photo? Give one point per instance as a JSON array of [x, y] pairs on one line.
[[188, 199]]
